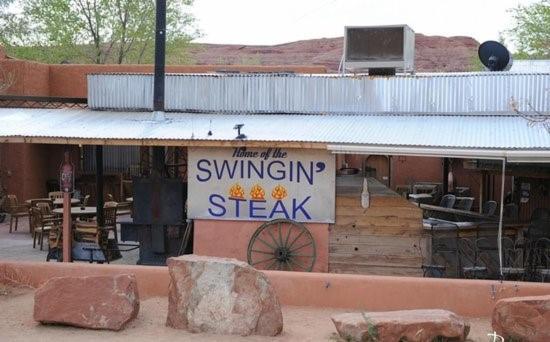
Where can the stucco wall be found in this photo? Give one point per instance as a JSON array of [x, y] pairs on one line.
[[475, 298], [230, 239]]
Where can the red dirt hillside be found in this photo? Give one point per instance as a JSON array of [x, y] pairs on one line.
[[433, 53]]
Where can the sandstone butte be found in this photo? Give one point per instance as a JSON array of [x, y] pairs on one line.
[[94, 302], [221, 296]]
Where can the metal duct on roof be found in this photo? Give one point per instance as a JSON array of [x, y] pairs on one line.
[[327, 94]]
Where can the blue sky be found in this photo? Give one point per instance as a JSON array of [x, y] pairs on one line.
[[279, 21]]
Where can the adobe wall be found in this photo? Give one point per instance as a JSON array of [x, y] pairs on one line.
[[30, 79], [473, 298], [211, 238]]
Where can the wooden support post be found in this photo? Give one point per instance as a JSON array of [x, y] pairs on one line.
[[67, 235], [445, 176], [99, 184]]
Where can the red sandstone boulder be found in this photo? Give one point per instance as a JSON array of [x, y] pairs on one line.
[[221, 296], [523, 318], [95, 302], [407, 325]]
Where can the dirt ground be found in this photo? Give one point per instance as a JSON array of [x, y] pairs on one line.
[[300, 324]]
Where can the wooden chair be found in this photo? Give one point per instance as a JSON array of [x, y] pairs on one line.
[[85, 200], [55, 243], [110, 213], [15, 210], [55, 195], [41, 226], [90, 232]]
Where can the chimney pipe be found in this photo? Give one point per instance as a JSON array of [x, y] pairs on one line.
[[160, 56]]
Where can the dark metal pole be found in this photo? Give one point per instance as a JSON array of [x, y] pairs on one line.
[[160, 56], [99, 184]]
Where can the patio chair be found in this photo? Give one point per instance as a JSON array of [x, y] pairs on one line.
[[471, 265], [85, 200], [110, 213], [511, 212], [55, 195], [464, 203], [489, 208], [513, 258], [55, 243], [15, 210], [541, 259], [447, 201], [41, 226]]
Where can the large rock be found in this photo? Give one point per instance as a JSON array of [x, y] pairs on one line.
[[407, 325], [95, 302], [523, 318], [221, 296]]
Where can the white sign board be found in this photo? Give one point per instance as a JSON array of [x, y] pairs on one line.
[[261, 184]]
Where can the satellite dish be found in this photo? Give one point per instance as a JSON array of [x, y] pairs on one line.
[[495, 56]]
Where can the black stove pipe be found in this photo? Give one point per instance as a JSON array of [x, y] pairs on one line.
[[160, 56]]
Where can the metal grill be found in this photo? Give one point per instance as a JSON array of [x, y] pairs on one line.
[[9, 101]]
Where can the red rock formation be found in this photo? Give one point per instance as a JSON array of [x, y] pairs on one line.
[[523, 318], [433, 53], [221, 296], [406, 325], [95, 302]]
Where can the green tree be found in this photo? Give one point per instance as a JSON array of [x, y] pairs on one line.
[[100, 31], [531, 30]]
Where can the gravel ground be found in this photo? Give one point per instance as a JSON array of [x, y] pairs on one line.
[[300, 324]]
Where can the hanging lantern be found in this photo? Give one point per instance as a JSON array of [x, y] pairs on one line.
[[66, 174]]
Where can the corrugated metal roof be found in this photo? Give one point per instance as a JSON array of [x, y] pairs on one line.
[[531, 65], [316, 94], [477, 132]]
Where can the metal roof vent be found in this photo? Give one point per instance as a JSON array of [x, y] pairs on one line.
[[379, 50]]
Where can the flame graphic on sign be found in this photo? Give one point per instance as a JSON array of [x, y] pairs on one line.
[[257, 192], [236, 191], [279, 192]]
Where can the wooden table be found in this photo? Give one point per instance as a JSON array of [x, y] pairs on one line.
[[56, 202], [78, 211], [421, 198], [456, 212]]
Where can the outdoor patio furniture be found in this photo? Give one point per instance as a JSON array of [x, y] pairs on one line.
[[489, 208], [41, 226], [541, 259], [55, 195], [15, 210], [89, 232], [55, 243], [471, 263], [78, 211], [511, 212], [109, 215], [464, 203], [513, 254], [447, 201]]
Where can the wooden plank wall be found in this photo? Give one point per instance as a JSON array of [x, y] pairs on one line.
[[385, 239]]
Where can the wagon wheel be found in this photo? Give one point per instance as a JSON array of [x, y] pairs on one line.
[[283, 245]]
